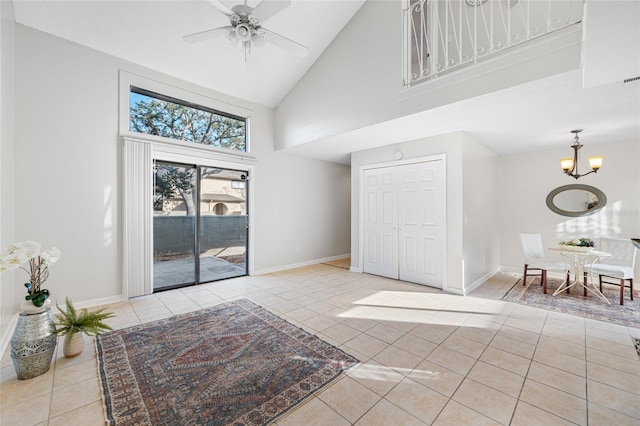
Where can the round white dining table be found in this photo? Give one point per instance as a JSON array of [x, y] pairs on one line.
[[582, 259]]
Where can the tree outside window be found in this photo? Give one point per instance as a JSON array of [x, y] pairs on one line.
[[158, 115]]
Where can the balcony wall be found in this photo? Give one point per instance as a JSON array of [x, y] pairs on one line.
[[357, 82]]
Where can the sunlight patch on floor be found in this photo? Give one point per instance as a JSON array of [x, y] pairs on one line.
[[424, 308]]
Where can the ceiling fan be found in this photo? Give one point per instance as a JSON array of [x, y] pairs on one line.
[[246, 27]]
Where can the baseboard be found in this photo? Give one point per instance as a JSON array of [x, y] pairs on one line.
[[477, 283], [456, 291], [98, 302], [300, 264], [355, 269]]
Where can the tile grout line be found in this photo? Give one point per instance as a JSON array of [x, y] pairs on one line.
[[586, 374], [526, 376]]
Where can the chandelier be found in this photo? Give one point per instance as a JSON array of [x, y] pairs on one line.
[[570, 165]]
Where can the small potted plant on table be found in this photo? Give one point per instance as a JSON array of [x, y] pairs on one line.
[[73, 324]]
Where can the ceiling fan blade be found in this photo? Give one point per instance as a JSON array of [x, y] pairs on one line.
[[222, 8], [207, 35], [267, 8], [285, 43]]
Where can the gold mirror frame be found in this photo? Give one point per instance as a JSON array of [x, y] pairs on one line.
[[591, 208]]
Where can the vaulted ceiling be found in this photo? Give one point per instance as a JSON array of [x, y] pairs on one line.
[[150, 33]]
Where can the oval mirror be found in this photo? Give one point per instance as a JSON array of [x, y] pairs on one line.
[[576, 200]]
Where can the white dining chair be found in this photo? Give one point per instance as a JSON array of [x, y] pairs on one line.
[[534, 260], [619, 266]]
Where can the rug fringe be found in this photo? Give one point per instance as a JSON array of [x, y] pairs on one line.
[[102, 394]]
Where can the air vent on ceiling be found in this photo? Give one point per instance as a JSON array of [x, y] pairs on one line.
[[629, 80]]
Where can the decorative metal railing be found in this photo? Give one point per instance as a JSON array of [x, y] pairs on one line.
[[444, 35]]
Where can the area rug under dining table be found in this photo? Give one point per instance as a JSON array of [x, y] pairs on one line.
[[576, 303], [234, 363]]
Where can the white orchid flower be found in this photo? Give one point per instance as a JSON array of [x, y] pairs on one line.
[[29, 248], [51, 256], [8, 266], [38, 270], [13, 261]]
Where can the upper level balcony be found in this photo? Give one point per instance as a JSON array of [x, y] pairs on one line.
[[442, 36]]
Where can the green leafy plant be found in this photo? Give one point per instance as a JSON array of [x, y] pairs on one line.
[[580, 242], [71, 321]]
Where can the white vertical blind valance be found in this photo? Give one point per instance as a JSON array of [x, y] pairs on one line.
[[138, 217]]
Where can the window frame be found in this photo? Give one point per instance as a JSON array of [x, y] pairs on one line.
[[187, 97]]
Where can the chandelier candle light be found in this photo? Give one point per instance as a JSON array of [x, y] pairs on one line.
[[570, 165]]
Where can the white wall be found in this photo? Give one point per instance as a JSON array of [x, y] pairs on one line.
[[357, 81], [68, 163], [467, 215], [526, 179], [7, 100], [302, 205], [611, 33], [481, 243]]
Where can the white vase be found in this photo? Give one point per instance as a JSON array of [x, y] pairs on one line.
[[73, 346], [28, 308]]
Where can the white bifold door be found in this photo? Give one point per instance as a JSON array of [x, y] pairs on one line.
[[404, 222]]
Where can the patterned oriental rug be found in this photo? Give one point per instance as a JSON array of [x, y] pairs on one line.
[[576, 304], [234, 363]]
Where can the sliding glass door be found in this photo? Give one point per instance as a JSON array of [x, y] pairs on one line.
[[174, 236], [199, 210], [223, 224]]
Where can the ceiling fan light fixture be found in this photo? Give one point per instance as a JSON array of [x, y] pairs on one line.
[[257, 39], [246, 27], [232, 38], [243, 32]]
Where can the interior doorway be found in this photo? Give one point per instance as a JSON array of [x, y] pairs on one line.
[[200, 224], [404, 214]]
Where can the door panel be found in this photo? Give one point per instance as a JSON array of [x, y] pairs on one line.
[[223, 224], [380, 231], [173, 225], [430, 197], [421, 225], [431, 256], [410, 257]]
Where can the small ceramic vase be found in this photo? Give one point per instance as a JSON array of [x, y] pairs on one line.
[[73, 346]]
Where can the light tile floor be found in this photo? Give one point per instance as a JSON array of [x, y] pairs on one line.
[[427, 357]]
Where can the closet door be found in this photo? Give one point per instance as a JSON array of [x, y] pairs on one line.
[[380, 222], [404, 222], [421, 217]]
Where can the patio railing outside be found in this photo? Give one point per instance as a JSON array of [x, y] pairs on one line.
[[444, 35]]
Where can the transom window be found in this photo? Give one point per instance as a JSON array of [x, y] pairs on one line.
[[159, 115]]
